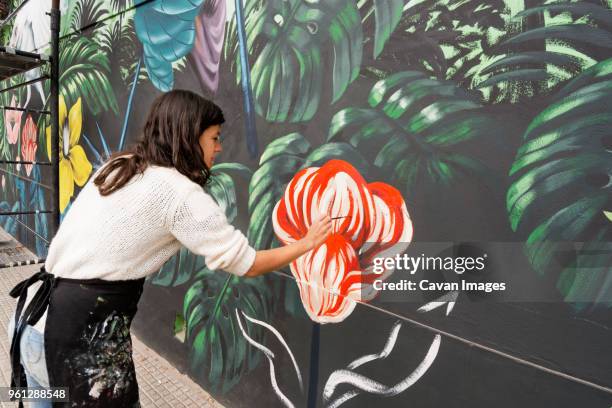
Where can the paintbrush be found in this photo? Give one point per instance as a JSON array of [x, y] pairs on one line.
[[343, 216]]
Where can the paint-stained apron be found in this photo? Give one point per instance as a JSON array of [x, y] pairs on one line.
[[87, 337]]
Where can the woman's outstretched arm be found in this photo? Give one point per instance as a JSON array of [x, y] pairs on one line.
[[202, 227], [269, 260]]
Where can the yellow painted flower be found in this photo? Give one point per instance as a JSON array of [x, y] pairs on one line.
[[73, 166]]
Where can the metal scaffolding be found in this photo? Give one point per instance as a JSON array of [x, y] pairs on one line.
[[14, 62]]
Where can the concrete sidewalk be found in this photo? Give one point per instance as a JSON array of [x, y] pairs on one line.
[[160, 384]]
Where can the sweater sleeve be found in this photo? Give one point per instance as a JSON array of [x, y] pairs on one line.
[[202, 227]]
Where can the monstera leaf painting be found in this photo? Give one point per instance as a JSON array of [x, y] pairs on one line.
[[167, 31], [372, 221], [414, 129], [291, 39], [562, 187], [219, 354]]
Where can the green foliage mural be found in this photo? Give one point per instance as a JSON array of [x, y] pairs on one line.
[[413, 127], [295, 41], [404, 91], [448, 39], [562, 185], [568, 38]]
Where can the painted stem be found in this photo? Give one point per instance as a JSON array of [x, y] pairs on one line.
[[245, 73], [129, 106], [313, 379]]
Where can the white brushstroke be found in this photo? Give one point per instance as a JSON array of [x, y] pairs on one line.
[[450, 306], [283, 342], [365, 384], [450, 297], [385, 351], [269, 355], [343, 398]]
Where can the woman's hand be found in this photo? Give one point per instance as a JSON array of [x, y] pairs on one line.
[[269, 260], [319, 231]]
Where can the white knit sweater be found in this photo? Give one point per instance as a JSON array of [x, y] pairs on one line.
[[132, 232]]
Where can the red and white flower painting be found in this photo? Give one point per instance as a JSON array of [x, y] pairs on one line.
[[375, 223], [28, 143]]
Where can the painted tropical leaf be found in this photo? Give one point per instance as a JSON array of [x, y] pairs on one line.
[[571, 37], [118, 39], [561, 188], [387, 14], [222, 186], [84, 13], [183, 266], [6, 29], [20, 194], [414, 128], [294, 43], [280, 161], [449, 39], [5, 150], [179, 269], [219, 354], [84, 72], [166, 29], [8, 223]]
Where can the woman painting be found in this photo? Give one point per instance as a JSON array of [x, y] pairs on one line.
[[129, 219]]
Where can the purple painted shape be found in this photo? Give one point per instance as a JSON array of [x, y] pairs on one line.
[[206, 52]]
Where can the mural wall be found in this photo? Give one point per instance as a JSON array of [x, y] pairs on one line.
[[456, 128]]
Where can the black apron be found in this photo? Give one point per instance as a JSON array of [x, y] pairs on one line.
[[87, 337]]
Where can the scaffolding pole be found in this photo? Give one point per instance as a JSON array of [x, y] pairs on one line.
[[55, 157]]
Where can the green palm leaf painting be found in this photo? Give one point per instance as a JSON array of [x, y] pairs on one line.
[[450, 39], [294, 43], [118, 39], [84, 72], [570, 37], [562, 187], [414, 127]]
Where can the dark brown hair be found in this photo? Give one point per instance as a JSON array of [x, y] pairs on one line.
[[170, 138]]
